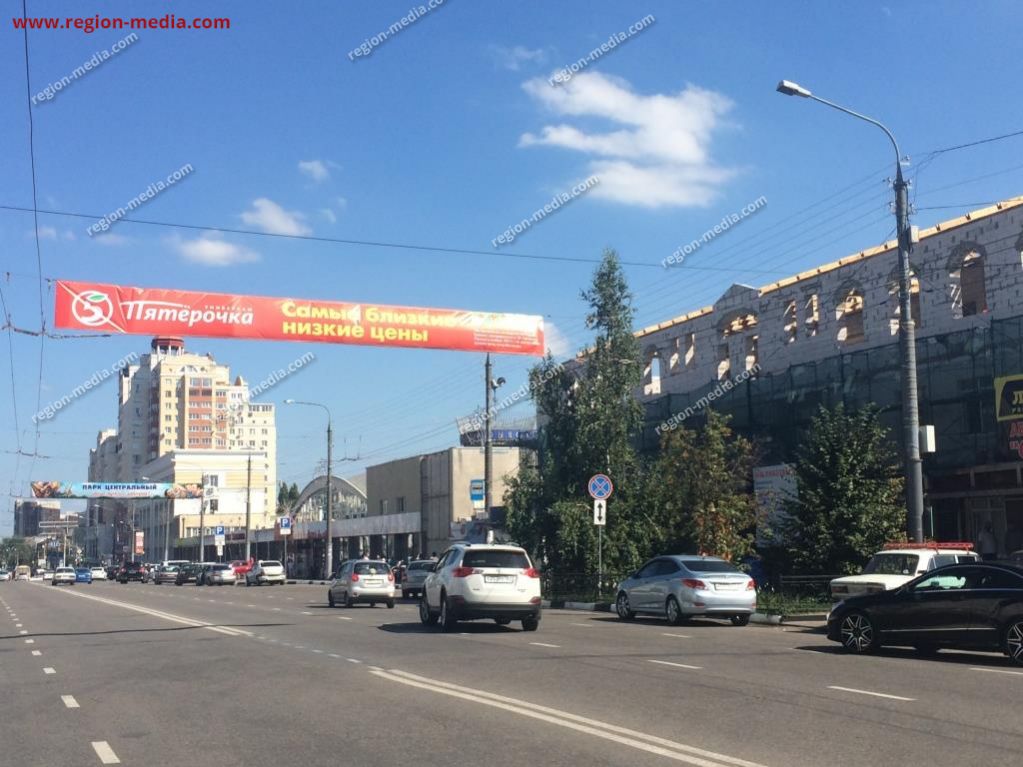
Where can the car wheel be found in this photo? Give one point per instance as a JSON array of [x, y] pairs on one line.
[[740, 620], [1014, 642], [330, 598], [448, 621], [390, 604], [858, 633], [502, 621], [622, 607], [673, 612], [530, 624], [426, 617]]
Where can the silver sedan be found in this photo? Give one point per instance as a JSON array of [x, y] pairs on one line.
[[682, 586], [220, 575]]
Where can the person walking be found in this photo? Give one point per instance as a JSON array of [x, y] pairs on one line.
[[987, 546]]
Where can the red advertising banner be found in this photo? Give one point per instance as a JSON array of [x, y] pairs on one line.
[[156, 311]]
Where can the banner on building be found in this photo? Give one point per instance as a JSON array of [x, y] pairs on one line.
[[154, 312], [119, 490], [140, 541], [1009, 398]]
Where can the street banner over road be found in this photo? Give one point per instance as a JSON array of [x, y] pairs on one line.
[[124, 490], [156, 311]]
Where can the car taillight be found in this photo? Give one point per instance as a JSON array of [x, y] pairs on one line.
[[355, 577], [465, 572], [693, 583], [531, 572], [752, 585]]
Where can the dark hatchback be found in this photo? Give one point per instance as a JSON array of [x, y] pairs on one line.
[[970, 606], [187, 574], [130, 571]]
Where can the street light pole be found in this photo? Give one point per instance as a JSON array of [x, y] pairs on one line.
[[488, 449], [248, 508], [328, 564], [907, 327]]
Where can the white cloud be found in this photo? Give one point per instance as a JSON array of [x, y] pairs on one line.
[[273, 219], [69, 235], [111, 239], [46, 233], [658, 150], [557, 342], [341, 203], [213, 250], [329, 215], [315, 169], [513, 58]]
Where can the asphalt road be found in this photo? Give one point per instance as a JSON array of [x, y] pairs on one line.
[[164, 675]]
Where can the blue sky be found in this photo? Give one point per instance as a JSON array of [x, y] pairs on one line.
[[445, 135]]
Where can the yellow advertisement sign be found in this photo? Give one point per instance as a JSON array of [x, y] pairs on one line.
[[1009, 398]]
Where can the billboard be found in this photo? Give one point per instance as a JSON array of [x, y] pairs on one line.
[[1009, 398], [155, 311], [772, 487], [120, 490], [140, 541]]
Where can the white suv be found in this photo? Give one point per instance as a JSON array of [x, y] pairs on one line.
[[473, 581]]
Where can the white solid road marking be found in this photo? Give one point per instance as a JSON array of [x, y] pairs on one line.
[[676, 665], [584, 625], [634, 739], [998, 671], [353, 660], [868, 692], [69, 701], [37, 653], [104, 752], [677, 636], [49, 670], [544, 644], [340, 617]]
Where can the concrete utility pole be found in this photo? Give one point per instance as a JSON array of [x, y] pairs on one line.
[[907, 328], [248, 508], [488, 451]]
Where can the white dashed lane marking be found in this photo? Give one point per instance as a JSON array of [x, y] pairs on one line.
[[677, 665], [998, 671], [544, 644], [36, 653], [872, 694], [69, 701], [49, 670], [104, 752]]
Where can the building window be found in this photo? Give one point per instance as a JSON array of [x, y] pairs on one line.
[[652, 371], [811, 314], [968, 284], [401, 504], [914, 304], [849, 313], [383, 505], [791, 321], [690, 359], [674, 361], [724, 362], [752, 352]]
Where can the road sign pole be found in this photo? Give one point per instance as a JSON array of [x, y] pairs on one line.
[[600, 560]]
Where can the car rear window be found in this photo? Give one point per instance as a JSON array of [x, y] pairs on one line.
[[892, 564], [495, 558], [271, 563], [221, 567], [371, 568], [709, 566], [426, 565]]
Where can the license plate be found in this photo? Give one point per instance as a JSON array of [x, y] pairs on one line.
[[499, 578], [373, 583], [726, 586]]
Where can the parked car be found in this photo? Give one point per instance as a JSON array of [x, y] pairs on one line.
[[5, 575], [168, 574], [899, 563], [363, 580], [130, 571], [268, 571], [683, 586], [473, 581], [83, 575], [219, 575], [186, 574], [112, 572], [47, 574], [241, 567], [200, 574], [415, 577], [63, 575], [972, 606], [98, 573]]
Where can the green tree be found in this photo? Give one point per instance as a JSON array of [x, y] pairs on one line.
[[849, 493], [700, 488], [591, 419], [16, 551]]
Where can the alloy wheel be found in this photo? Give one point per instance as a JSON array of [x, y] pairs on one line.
[[1014, 642], [857, 633], [622, 606]]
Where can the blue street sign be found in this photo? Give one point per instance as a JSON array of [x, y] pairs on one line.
[[477, 489], [219, 531], [285, 523], [600, 487]]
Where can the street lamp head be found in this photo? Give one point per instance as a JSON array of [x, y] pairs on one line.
[[496, 383], [790, 88]]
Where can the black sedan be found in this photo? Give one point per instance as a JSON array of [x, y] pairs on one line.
[[187, 574], [130, 571], [970, 606]]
